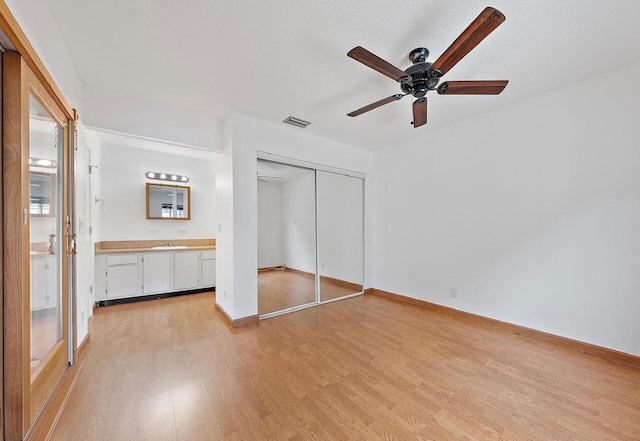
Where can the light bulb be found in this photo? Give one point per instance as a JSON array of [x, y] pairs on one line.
[[174, 178], [151, 175], [163, 176]]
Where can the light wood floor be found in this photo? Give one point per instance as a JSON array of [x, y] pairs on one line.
[[364, 368], [278, 290], [44, 335], [282, 289]]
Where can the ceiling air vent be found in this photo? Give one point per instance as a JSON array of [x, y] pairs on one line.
[[297, 122]]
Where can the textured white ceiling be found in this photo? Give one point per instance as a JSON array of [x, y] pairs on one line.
[[271, 59]]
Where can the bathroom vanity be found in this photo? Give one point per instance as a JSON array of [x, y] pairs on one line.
[[130, 269]]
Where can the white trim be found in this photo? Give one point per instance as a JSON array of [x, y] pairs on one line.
[[348, 296], [307, 164], [287, 311]]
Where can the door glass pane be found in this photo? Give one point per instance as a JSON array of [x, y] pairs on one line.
[[286, 236], [45, 165], [340, 234]]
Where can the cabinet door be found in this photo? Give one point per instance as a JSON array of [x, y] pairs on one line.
[[39, 291], [186, 270], [158, 273], [122, 281], [208, 272]]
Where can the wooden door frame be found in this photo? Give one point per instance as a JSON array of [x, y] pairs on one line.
[[1, 262], [25, 392], [12, 37], [16, 241], [20, 43]]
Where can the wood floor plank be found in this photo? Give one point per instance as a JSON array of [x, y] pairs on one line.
[[365, 368]]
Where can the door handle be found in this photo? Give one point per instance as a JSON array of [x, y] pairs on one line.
[[52, 243], [71, 244]]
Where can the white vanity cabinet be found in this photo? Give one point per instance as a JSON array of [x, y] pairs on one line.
[[186, 271], [158, 273], [120, 276], [43, 281], [208, 268]]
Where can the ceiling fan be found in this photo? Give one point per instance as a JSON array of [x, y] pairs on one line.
[[424, 76]]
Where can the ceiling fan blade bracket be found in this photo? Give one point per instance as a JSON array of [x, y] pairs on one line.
[[419, 101], [442, 89], [435, 73]]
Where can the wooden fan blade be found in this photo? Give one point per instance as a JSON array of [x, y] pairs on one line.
[[375, 105], [483, 25], [419, 112], [376, 63], [472, 87]]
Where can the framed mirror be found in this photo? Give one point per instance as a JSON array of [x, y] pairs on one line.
[[42, 194], [168, 202]]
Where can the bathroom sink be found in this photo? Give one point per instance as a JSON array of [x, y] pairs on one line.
[[170, 247]]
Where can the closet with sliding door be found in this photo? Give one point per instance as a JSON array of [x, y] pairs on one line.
[[310, 234]]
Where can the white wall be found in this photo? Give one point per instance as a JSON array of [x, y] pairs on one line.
[[225, 255], [84, 245], [299, 222], [123, 188], [237, 197], [270, 225], [531, 212]]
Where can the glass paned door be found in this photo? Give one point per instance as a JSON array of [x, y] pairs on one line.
[[36, 190], [45, 232]]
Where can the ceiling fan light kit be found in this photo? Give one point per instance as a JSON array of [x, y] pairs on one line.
[[422, 77]]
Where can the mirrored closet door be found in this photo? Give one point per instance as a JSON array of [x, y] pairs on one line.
[[310, 235], [340, 235], [286, 237]]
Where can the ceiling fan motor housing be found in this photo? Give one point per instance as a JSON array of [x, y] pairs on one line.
[[419, 82]]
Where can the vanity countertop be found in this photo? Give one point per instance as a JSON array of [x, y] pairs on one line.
[[154, 246]]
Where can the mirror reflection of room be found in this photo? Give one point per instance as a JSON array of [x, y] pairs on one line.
[[286, 237], [45, 138], [340, 234], [168, 202]]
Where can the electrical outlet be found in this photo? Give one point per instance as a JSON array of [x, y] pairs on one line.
[[82, 316], [224, 294], [453, 292], [219, 228], [323, 266]]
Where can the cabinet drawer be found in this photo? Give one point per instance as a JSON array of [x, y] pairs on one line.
[[211, 254], [122, 259]]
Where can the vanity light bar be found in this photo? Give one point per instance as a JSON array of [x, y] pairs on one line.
[[167, 177], [46, 163]]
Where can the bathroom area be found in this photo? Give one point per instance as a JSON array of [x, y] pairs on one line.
[[152, 218]]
